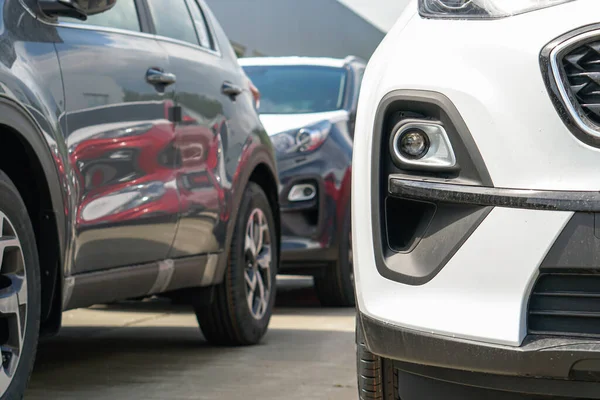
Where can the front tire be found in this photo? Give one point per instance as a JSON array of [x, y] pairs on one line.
[[243, 303], [374, 374], [20, 301]]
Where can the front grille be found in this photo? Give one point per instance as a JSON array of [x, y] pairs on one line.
[[566, 303], [582, 69]]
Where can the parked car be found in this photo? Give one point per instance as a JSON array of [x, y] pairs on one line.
[[308, 106], [133, 163], [477, 197]]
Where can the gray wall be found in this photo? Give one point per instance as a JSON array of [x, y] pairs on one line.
[[296, 27]]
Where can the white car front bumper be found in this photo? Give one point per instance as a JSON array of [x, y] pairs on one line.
[[490, 74]]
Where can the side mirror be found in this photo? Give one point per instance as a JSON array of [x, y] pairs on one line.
[[79, 9]]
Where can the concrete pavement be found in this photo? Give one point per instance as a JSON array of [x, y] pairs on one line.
[[153, 350]]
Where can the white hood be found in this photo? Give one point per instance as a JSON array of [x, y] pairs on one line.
[[277, 123]]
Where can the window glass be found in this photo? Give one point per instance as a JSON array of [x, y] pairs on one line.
[[123, 15], [172, 19], [298, 89], [201, 25]]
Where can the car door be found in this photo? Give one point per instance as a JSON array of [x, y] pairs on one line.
[[203, 130], [119, 106]]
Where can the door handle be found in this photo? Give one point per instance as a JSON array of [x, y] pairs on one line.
[[231, 90], [158, 77]]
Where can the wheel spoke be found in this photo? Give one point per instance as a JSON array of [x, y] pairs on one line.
[[13, 301], [258, 263], [9, 302], [262, 296], [19, 284], [9, 241], [4, 380], [249, 245], [12, 356], [250, 280], [260, 231], [264, 259]]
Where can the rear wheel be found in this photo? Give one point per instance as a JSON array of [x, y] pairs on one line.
[[335, 287], [243, 304], [19, 293]]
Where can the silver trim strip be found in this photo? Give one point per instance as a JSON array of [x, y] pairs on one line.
[[562, 89], [68, 285], [211, 268], [186, 44], [166, 268]]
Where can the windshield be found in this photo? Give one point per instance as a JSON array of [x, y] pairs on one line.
[[298, 89]]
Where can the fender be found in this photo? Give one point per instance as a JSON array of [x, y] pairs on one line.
[[261, 155], [23, 123]]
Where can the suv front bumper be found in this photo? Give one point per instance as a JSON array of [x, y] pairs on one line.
[[454, 305], [432, 366]]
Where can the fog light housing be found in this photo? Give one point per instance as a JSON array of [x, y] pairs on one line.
[[302, 192], [421, 144], [414, 143]]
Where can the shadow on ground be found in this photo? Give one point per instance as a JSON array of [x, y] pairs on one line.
[[307, 351]]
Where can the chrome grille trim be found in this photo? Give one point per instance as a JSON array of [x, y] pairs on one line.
[[572, 104]]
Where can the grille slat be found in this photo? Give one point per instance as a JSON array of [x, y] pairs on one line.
[[582, 69], [565, 304]]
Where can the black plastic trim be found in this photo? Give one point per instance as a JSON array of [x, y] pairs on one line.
[[135, 281], [434, 246], [555, 200], [577, 247], [538, 356], [471, 169], [417, 382]]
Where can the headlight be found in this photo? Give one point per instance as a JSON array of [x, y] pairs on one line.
[[481, 9], [302, 140]]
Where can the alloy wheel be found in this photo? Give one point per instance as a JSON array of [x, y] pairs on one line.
[[257, 274], [13, 302]]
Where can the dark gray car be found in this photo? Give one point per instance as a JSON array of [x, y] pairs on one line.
[[132, 163]]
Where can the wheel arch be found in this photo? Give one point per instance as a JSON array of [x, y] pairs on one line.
[[27, 158], [262, 170]]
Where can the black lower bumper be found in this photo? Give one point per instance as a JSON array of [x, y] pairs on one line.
[[433, 367]]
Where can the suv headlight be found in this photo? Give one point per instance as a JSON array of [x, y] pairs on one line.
[[302, 140], [481, 9]]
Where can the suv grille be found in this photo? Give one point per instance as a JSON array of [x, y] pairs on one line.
[[582, 68], [566, 303]]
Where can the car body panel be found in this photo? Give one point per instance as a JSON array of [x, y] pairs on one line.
[[498, 101], [107, 142], [116, 140]]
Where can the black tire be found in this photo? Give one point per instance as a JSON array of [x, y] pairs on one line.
[[13, 207], [375, 375], [228, 320], [335, 286]]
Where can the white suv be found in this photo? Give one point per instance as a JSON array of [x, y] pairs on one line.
[[476, 184]]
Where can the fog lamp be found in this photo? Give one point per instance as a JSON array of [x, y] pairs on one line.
[[414, 143], [421, 144]]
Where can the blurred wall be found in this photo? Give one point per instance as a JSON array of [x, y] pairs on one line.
[[296, 27]]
